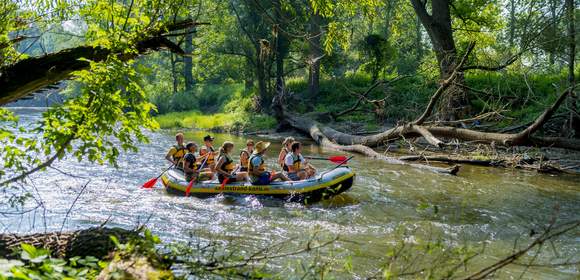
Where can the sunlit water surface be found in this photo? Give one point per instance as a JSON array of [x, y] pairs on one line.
[[489, 206]]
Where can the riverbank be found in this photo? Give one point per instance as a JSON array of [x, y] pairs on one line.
[[234, 122]]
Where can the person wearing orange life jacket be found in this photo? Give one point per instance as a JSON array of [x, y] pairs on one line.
[[286, 149], [245, 155], [208, 148], [257, 166], [177, 152], [225, 166], [298, 168]]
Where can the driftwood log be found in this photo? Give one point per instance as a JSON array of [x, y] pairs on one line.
[[94, 242], [330, 138]]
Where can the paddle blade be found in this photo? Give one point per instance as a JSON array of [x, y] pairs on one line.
[[188, 189], [225, 182], [338, 159], [150, 184]]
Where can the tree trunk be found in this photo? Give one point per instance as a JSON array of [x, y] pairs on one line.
[[330, 138], [188, 63], [418, 40], [282, 45], [512, 22], [315, 55], [554, 28], [455, 102], [94, 242], [574, 119], [261, 56], [174, 72]]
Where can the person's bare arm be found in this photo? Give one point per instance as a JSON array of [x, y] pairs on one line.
[[169, 157], [219, 169], [281, 158]]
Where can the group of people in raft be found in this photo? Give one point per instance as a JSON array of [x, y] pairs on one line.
[[209, 162]]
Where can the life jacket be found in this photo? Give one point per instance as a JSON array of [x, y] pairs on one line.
[[179, 154], [228, 165], [261, 167], [211, 156], [296, 162], [245, 162], [284, 166], [192, 165]]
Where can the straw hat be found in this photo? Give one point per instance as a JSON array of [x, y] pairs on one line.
[[261, 146]]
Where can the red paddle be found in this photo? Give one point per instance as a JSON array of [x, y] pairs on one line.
[[188, 189], [151, 183], [225, 182], [335, 159]]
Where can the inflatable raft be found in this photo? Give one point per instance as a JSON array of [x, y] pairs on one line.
[[322, 186]]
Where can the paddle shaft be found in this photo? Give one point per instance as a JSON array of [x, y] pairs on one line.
[[342, 163], [165, 171], [320, 158], [188, 189], [201, 165]]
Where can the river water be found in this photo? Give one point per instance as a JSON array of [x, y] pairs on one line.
[[482, 206]]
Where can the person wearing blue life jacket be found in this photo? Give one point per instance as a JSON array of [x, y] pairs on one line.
[[257, 166]]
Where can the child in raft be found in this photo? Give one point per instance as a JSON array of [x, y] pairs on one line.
[[286, 149], [298, 167], [225, 166], [191, 165]]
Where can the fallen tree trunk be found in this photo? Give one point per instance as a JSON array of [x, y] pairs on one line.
[[94, 242], [319, 134], [432, 133], [448, 159], [331, 138]]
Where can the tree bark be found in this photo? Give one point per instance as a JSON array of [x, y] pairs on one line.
[[455, 102], [512, 22], [418, 40], [282, 45], [262, 52], [574, 120], [188, 62], [94, 242], [174, 76], [315, 55], [31, 74], [552, 53]]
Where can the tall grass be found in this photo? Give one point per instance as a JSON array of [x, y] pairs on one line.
[[233, 121]]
